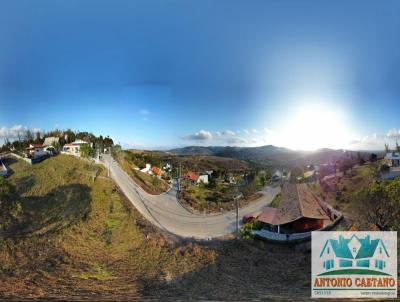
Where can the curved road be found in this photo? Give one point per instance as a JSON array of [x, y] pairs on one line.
[[168, 214]]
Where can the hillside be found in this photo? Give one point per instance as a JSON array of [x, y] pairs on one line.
[[269, 156], [80, 239]]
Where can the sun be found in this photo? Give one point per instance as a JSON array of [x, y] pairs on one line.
[[315, 126]]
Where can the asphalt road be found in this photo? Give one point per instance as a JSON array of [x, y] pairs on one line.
[[168, 214]]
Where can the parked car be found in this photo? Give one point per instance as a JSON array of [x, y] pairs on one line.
[[248, 218]]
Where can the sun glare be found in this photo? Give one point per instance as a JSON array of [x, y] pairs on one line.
[[315, 126]]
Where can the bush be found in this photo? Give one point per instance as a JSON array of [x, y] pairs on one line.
[[245, 231]]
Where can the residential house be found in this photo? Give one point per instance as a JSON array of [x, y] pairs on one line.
[[203, 178], [156, 171], [35, 151], [51, 141], [51, 145], [392, 159], [354, 252], [74, 148], [146, 169], [299, 211], [192, 177]]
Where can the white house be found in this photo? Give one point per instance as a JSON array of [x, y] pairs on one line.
[[74, 148], [147, 169], [51, 141], [203, 178], [35, 151], [393, 158]]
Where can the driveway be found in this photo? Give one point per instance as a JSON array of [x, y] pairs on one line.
[[166, 212]]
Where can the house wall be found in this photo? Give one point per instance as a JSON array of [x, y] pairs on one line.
[[307, 224]]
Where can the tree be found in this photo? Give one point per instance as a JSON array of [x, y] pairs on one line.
[[38, 137], [86, 151], [10, 206], [387, 149], [378, 205], [373, 157], [360, 159]]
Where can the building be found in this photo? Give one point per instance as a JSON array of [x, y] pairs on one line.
[[74, 148], [51, 141], [35, 151], [354, 252], [192, 177], [203, 178], [157, 171], [392, 159], [146, 169], [299, 211]]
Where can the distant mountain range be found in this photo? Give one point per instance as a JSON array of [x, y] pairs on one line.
[[269, 155]]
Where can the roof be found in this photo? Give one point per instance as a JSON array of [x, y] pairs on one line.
[[156, 170], [367, 248], [33, 146], [267, 215], [49, 141], [192, 176], [392, 155], [309, 173], [79, 142], [298, 201]]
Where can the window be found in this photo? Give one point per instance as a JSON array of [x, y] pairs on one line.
[[345, 263], [380, 250], [328, 250], [354, 249]]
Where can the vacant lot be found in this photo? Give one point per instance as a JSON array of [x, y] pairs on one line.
[[80, 239]]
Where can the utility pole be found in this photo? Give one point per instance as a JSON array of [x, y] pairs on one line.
[[179, 177], [237, 216]]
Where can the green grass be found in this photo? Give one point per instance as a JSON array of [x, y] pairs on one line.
[[276, 201]]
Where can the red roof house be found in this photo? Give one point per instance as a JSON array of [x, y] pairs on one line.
[[299, 211], [192, 176]]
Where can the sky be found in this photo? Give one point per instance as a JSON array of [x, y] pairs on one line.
[[163, 74]]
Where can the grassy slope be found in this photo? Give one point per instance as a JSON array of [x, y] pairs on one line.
[[109, 252], [112, 253], [147, 182]]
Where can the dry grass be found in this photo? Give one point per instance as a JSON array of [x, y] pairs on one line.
[[112, 253]]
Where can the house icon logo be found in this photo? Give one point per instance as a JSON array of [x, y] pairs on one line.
[[354, 264], [354, 255]]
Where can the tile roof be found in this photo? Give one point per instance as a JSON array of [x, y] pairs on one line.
[[192, 176], [298, 201], [267, 215], [156, 170]]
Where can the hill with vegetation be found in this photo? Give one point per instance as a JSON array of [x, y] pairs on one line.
[[76, 237], [270, 156]]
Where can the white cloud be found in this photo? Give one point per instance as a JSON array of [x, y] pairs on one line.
[[228, 133], [202, 135], [255, 131], [393, 133], [246, 131], [12, 133]]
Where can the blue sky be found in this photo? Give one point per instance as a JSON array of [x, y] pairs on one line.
[[160, 74]]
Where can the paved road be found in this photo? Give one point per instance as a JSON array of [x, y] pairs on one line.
[[168, 214]]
